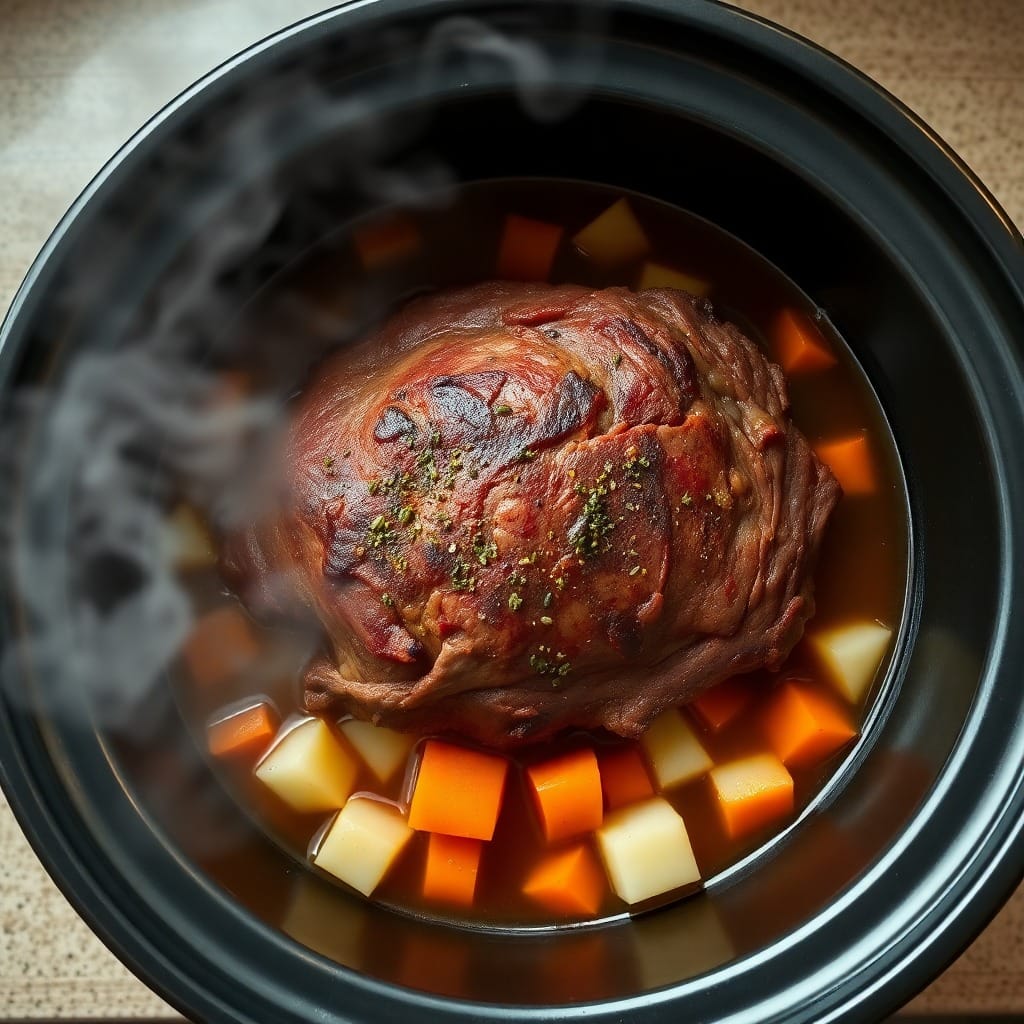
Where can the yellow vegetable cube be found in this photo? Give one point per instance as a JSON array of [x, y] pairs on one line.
[[613, 238], [308, 768], [657, 275], [852, 655], [383, 750], [186, 542], [673, 750], [646, 850], [752, 792], [362, 842]]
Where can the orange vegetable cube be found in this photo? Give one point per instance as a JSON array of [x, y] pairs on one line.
[[803, 726], [752, 792], [452, 866], [567, 794], [850, 460], [798, 344], [242, 732], [385, 242], [222, 644], [718, 706], [568, 882], [458, 791], [624, 777], [528, 248]]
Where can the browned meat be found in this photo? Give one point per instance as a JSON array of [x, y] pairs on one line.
[[520, 508]]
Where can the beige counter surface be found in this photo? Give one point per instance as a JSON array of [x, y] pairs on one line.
[[77, 77]]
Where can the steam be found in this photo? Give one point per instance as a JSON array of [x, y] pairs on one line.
[[95, 458]]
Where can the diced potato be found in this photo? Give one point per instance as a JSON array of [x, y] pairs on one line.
[[852, 654], [646, 850], [186, 542], [657, 275], [752, 792], [613, 238], [362, 842], [673, 750], [383, 750], [308, 768]]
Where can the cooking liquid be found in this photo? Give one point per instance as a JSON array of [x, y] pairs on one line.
[[861, 575]]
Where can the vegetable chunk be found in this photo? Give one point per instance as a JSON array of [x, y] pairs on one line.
[[383, 750], [308, 768], [242, 732], [613, 238], [657, 275], [220, 647], [717, 707], [804, 727], [752, 792], [567, 794], [452, 867], [362, 843], [798, 344], [673, 750], [528, 249], [458, 791], [646, 850], [568, 882], [852, 655], [624, 777], [850, 460]]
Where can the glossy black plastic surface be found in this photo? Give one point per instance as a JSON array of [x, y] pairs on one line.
[[824, 175]]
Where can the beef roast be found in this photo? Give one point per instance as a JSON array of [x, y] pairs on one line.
[[520, 508]]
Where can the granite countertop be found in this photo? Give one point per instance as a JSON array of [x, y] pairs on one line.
[[79, 76]]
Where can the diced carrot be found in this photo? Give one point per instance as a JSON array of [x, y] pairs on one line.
[[850, 459], [528, 248], [718, 706], [657, 275], [384, 242], [803, 726], [458, 791], [798, 344], [752, 792], [245, 732], [567, 794], [624, 777], [452, 866], [221, 645], [568, 882], [614, 237]]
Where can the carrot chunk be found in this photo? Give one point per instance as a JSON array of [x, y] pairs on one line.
[[850, 459], [752, 792], [803, 726], [452, 866], [528, 248], [568, 882], [567, 794], [798, 344], [717, 707], [624, 777], [221, 645], [243, 732], [458, 791], [385, 242]]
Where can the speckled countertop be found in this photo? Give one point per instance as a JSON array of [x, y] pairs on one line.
[[78, 76]]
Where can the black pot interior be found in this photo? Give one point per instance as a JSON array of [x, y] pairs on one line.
[[210, 207]]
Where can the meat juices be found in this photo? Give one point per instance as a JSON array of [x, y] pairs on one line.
[[517, 509]]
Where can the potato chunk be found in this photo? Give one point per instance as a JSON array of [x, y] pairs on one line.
[[308, 768], [383, 750], [646, 850], [852, 655], [362, 842], [675, 754], [614, 237]]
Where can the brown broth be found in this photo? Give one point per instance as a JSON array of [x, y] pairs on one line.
[[862, 572]]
